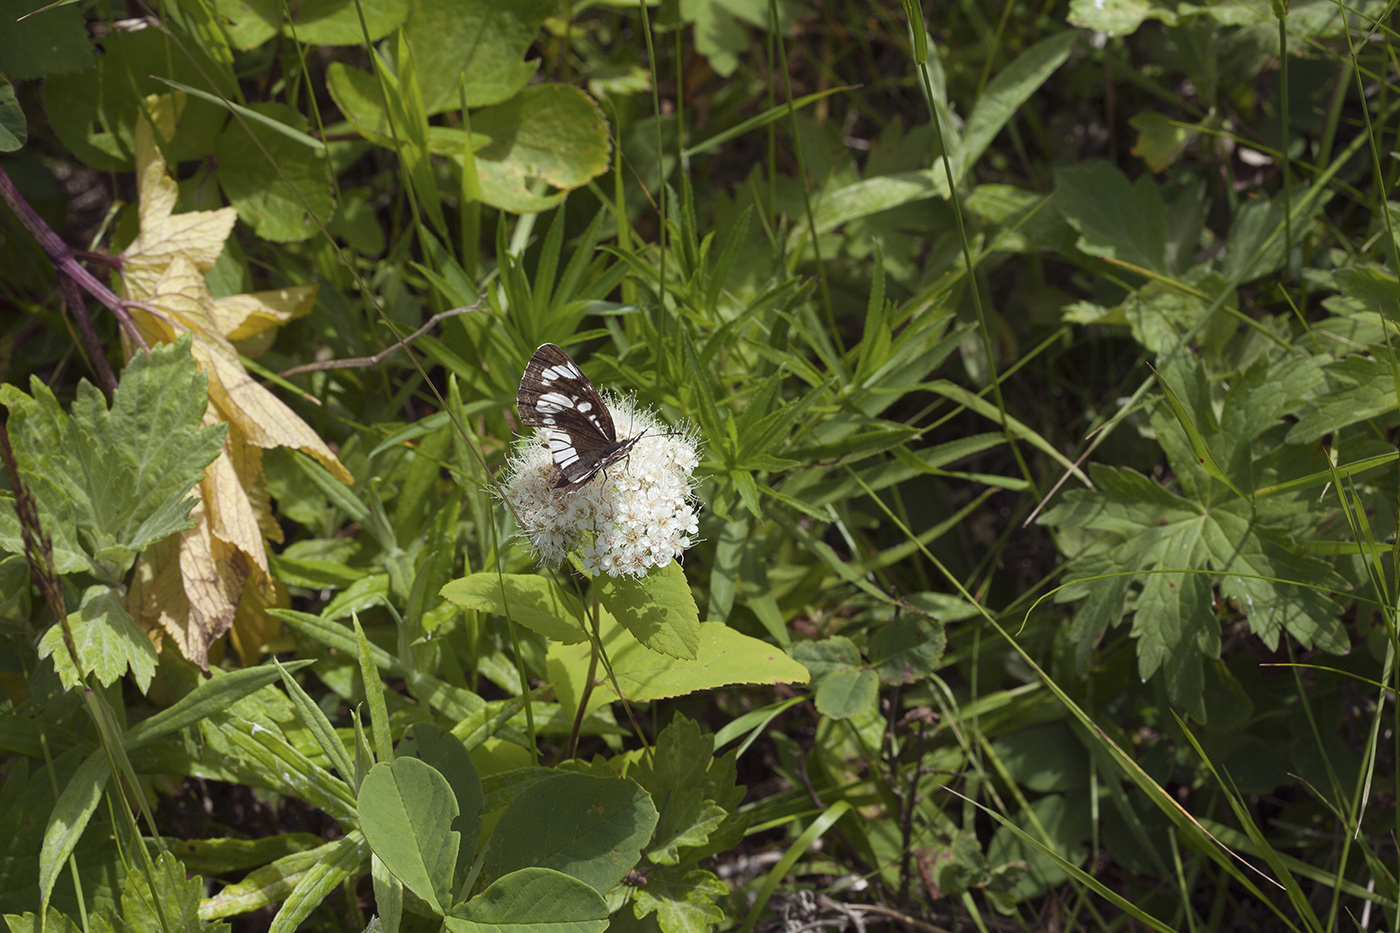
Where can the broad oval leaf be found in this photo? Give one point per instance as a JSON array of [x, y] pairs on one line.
[[591, 828], [532, 899], [406, 809]]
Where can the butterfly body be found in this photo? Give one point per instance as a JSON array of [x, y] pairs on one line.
[[556, 395]]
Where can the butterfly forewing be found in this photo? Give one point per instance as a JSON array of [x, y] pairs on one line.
[[556, 395]]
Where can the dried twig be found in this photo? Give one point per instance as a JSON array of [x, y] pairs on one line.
[[361, 362]]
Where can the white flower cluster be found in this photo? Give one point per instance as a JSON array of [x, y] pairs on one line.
[[637, 514]]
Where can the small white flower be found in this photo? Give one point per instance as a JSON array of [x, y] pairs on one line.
[[637, 514]]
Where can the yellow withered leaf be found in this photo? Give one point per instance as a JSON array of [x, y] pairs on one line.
[[196, 235], [196, 585], [251, 321]]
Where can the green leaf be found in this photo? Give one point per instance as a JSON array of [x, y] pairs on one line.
[[873, 195], [657, 608], [358, 95], [1011, 88], [14, 132], [115, 481], [271, 883], [1161, 140], [249, 23], [1044, 758], [481, 41], [51, 43], [53, 922], [1255, 244], [94, 112], [1115, 218], [219, 855], [1357, 389], [1190, 547], [547, 133], [907, 650], [1204, 457], [166, 900], [685, 901], [107, 641], [591, 828], [258, 117], [532, 899], [723, 656], [69, 818], [337, 22], [1116, 17], [695, 793], [1372, 287], [278, 185], [345, 857], [528, 599], [319, 725], [845, 687], [406, 811], [380, 726], [1066, 823], [213, 695], [450, 758]]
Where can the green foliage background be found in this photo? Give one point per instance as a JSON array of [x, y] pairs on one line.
[[1044, 360]]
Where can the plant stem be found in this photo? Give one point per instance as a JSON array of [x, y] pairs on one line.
[[68, 268], [596, 643]]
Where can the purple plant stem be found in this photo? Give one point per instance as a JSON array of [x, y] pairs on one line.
[[68, 266]]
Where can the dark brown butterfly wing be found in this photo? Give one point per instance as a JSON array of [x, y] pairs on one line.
[[556, 395]]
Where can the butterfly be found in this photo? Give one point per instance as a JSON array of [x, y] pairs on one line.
[[556, 395]]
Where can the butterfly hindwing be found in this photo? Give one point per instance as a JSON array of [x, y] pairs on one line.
[[556, 395]]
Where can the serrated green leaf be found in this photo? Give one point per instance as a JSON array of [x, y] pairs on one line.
[[692, 790], [14, 132], [1115, 218], [164, 900], [657, 609], [1204, 457], [1357, 388], [115, 481], [107, 641], [528, 599], [1192, 548], [685, 901], [53, 922]]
